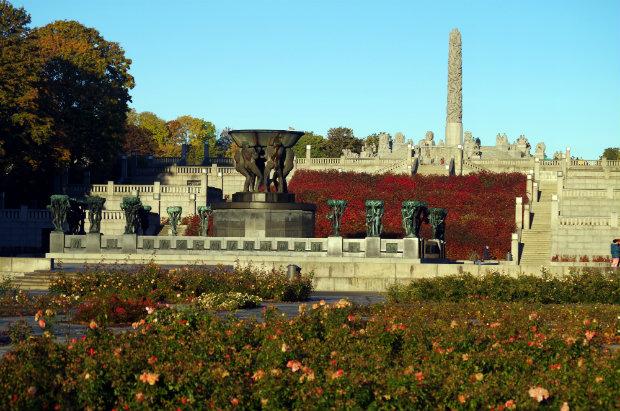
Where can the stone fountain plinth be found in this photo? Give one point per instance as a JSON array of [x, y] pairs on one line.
[[264, 208]]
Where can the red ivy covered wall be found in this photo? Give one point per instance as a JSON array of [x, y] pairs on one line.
[[481, 207]]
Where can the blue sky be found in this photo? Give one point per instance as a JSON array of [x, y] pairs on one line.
[[546, 69]]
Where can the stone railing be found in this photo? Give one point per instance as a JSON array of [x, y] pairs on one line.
[[583, 193], [410, 248], [180, 189], [587, 221]]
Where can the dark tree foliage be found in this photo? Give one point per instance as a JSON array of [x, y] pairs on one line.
[[612, 153], [338, 139], [64, 91]]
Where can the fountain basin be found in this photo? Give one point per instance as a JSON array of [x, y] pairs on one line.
[[265, 138]]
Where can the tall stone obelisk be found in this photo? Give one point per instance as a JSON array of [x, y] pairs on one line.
[[454, 108]]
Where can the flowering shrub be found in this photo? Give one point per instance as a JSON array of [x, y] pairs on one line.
[[112, 309], [592, 285], [227, 301], [182, 284], [466, 355], [583, 258], [480, 206], [193, 225]]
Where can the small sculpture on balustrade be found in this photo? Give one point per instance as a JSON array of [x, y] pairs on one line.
[[374, 215], [76, 216], [205, 214], [144, 218], [414, 214], [95, 209], [59, 206], [335, 215], [174, 213], [132, 206], [246, 163], [437, 219]]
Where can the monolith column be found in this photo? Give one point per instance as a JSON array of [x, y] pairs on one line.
[[454, 107]]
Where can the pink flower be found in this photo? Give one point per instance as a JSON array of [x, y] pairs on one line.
[[338, 374], [538, 393], [294, 365], [149, 310], [590, 334]]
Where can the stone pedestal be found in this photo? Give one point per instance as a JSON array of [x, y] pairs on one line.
[[514, 248], [57, 242], [129, 243], [412, 247], [434, 249], [334, 246], [373, 247], [93, 243], [262, 215]]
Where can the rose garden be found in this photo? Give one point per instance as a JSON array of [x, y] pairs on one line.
[[151, 264]]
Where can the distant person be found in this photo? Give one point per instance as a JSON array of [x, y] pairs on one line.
[[486, 253], [615, 253]]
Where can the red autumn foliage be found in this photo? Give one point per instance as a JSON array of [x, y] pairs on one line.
[[481, 207]]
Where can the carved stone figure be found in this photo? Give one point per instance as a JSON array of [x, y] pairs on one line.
[[502, 140], [76, 216], [471, 146], [374, 215], [540, 150], [59, 206], [281, 161], [132, 206], [246, 163], [174, 213], [95, 209], [523, 146], [437, 219], [454, 106], [414, 213], [205, 213], [144, 218], [335, 215]]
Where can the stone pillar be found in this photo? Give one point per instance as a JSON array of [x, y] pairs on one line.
[[459, 160], [57, 242], [528, 188], [536, 169], [555, 211], [454, 109], [110, 189], [205, 154], [535, 192], [412, 247], [560, 182], [514, 248], [526, 217], [613, 222], [519, 212], [334, 246], [129, 243], [204, 188], [308, 151], [157, 197], [183, 159], [373, 247], [93, 243]]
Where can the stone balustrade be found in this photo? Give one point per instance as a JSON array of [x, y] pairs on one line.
[[407, 248], [611, 221]]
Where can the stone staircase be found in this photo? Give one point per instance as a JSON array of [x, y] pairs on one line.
[[536, 241], [35, 281]]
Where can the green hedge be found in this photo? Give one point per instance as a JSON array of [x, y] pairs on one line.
[[592, 285]]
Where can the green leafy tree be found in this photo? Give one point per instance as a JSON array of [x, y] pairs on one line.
[[315, 140], [612, 153], [195, 132], [156, 127], [338, 139], [84, 87]]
